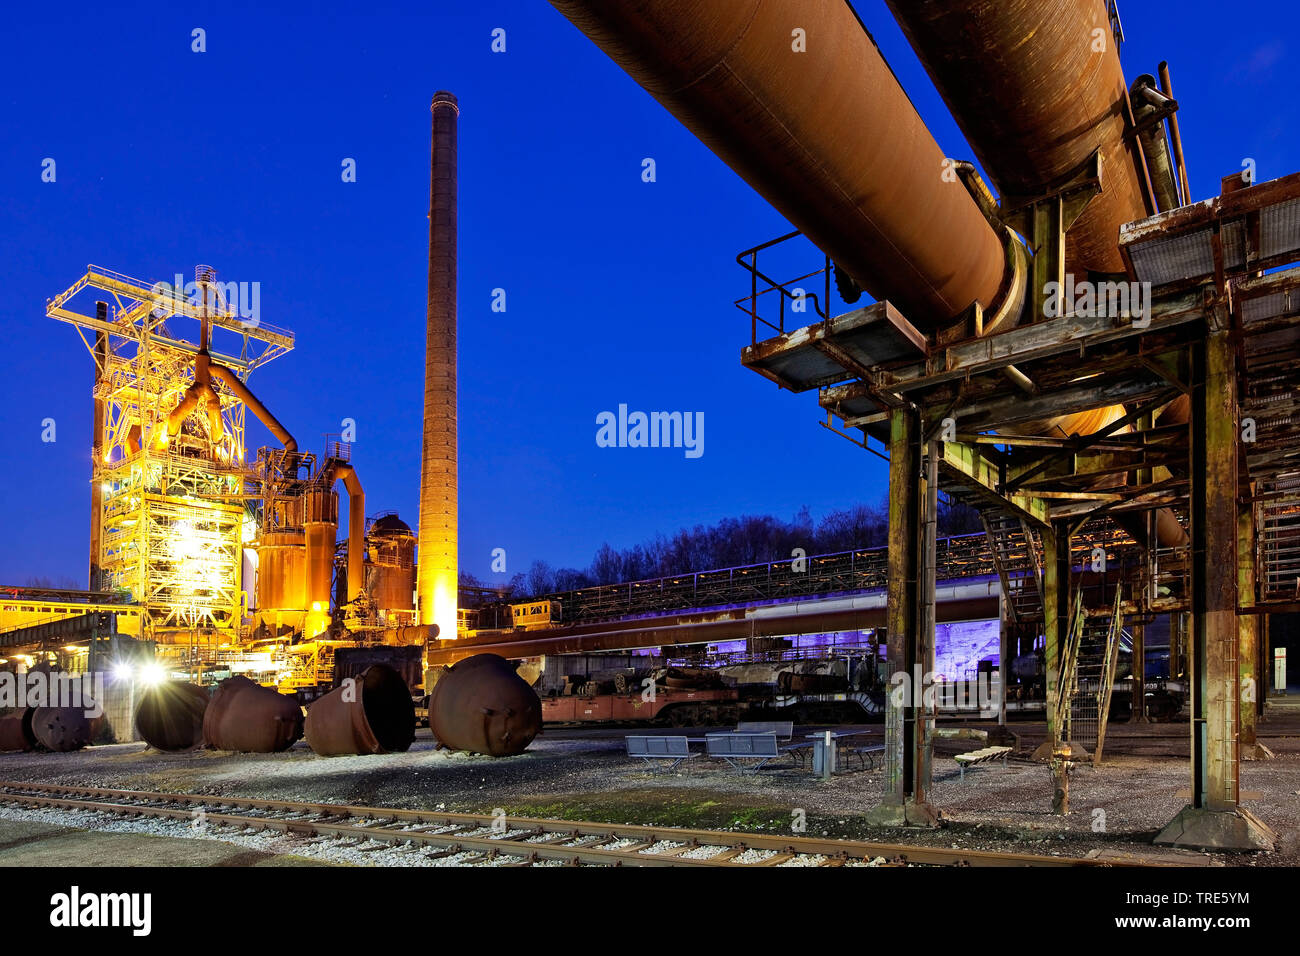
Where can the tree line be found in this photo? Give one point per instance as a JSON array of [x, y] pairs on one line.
[[730, 542]]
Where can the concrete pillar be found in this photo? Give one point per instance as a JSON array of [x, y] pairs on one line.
[[1214, 820]]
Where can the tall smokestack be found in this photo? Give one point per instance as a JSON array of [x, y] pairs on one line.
[[436, 577]]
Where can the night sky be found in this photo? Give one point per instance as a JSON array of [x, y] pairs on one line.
[[618, 291]]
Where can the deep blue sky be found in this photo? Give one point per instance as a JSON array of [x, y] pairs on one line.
[[618, 290]]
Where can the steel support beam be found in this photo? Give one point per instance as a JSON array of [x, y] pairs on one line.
[[1215, 820], [907, 754]]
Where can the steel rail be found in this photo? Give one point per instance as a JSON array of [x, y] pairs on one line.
[[329, 821]]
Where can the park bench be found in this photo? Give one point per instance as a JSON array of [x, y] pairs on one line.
[[865, 753], [976, 757], [734, 747], [784, 729], [648, 748]]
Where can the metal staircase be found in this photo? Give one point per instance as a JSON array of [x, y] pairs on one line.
[[1017, 556], [1088, 676]]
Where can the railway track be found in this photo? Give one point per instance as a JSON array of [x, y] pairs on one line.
[[477, 839]]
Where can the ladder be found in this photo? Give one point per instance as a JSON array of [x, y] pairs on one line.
[[1087, 679]]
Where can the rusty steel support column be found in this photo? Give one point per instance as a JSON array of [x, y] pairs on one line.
[[436, 576], [1214, 820], [97, 449], [1138, 679], [907, 745], [1056, 616], [1252, 679]]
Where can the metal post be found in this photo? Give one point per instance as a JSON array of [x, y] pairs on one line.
[[1214, 820], [1056, 615], [905, 752], [1247, 629]]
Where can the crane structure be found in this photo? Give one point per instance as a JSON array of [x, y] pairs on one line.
[[170, 485]]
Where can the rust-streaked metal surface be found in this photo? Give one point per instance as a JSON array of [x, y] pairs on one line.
[[16, 731], [370, 714], [170, 716], [436, 578], [249, 718], [1035, 101], [827, 136], [61, 729], [480, 704]]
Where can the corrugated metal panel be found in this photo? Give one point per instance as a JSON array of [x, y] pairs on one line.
[[1265, 307], [1162, 261], [1279, 228], [1233, 236]]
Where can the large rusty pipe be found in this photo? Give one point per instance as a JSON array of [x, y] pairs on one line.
[[247, 717], [1037, 88], [480, 704], [16, 731], [232, 382], [61, 729], [372, 713], [356, 530], [436, 571], [169, 716], [827, 136]]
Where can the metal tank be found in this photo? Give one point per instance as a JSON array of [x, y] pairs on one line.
[[169, 716], [282, 577], [372, 713], [61, 729], [16, 731], [480, 704], [391, 546], [247, 717]]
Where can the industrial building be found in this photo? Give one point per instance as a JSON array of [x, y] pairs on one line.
[[1100, 363]]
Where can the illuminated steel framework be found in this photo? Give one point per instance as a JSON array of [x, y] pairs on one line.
[[170, 494]]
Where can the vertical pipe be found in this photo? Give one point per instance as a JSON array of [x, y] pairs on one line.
[[436, 578], [1056, 617], [1175, 137], [925, 637], [97, 449]]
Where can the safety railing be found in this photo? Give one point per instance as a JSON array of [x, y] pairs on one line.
[[748, 260]]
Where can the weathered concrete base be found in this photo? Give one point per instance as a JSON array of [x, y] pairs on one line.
[[908, 814], [1237, 831], [1257, 752]]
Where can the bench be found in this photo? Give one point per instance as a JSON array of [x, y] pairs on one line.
[[866, 754], [733, 747], [784, 729], [976, 757], [648, 748]]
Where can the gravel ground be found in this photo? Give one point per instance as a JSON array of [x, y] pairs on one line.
[[585, 774]]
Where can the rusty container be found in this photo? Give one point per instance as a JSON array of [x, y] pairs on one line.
[[61, 729], [372, 713], [480, 704], [16, 732], [170, 716], [247, 717]]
